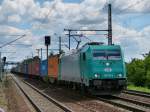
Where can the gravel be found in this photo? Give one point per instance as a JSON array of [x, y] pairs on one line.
[[74, 100], [134, 97], [42, 102]]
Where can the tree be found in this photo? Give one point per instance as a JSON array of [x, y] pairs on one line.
[[148, 79], [136, 72], [147, 69]]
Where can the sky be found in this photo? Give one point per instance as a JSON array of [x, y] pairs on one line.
[[37, 18]]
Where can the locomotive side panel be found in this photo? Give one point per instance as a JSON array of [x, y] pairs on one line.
[[70, 68]]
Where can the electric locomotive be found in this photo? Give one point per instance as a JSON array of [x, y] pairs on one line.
[[98, 68]]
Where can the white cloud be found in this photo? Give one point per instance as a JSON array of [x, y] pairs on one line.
[[53, 16], [14, 18], [7, 34], [131, 6], [134, 42]]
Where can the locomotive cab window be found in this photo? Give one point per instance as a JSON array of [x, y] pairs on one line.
[[99, 54], [113, 54], [84, 56]]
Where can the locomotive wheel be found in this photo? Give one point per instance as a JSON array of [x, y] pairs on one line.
[[52, 80], [83, 89]]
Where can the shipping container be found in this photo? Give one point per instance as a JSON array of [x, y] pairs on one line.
[[19, 68], [26, 69], [53, 66], [30, 66], [43, 68], [36, 66]]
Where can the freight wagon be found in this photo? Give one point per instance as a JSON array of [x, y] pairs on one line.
[[53, 63], [30, 67], [43, 68], [36, 66]]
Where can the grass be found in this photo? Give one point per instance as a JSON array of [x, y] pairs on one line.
[[3, 100], [143, 89]]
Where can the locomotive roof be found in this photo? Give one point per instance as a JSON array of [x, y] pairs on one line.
[[92, 46], [98, 46]]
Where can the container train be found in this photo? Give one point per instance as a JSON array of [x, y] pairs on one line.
[[97, 68]]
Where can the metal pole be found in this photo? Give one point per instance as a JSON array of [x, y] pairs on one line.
[[41, 61], [60, 45], [47, 58], [84, 30], [38, 52], [109, 25], [69, 39], [32, 54], [41, 53], [0, 68], [32, 64]]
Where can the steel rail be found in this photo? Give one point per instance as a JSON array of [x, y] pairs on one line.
[[27, 96], [62, 106], [132, 101], [138, 93], [124, 106]]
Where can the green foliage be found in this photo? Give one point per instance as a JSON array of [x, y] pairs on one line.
[[143, 89], [148, 79], [138, 71], [147, 63]]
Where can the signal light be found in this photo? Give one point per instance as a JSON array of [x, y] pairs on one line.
[[4, 60], [47, 40]]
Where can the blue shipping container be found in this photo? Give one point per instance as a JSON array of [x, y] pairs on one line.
[[43, 68], [26, 70]]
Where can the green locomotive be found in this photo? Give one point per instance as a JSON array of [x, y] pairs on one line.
[[98, 68]]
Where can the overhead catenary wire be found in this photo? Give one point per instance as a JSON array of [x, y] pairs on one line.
[[130, 6], [121, 11], [12, 41], [47, 15], [10, 35], [29, 45]]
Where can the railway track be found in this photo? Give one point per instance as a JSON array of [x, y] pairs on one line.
[[138, 93], [39, 100], [129, 104], [85, 105], [88, 104], [125, 103]]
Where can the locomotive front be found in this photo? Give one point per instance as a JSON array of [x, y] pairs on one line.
[[105, 69]]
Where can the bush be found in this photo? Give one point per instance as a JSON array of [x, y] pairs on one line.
[[136, 73], [148, 79]]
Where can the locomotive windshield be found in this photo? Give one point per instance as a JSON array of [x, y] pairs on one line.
[[99, 54], [107, 54]]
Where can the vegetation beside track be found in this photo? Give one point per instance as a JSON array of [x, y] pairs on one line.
[[3, 101], [11, 99], [138, 73], [136, 88]]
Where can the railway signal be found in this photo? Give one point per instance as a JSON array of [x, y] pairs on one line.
[[4, 60], [47, 43], [47, 40]]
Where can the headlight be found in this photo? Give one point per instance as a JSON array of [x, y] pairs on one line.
[[119, 75], [96, 75], [107, 64]]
